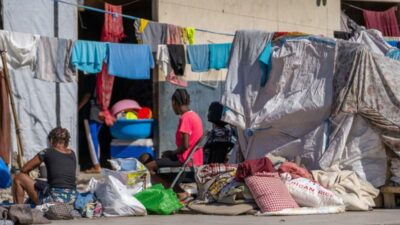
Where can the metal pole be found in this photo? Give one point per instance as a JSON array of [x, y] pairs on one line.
[[16, 122]]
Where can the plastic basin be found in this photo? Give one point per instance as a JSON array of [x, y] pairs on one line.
[[131, 129], [5, 176]]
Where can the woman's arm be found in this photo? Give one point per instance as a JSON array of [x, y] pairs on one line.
[[182, 148], [184, 145], [84, 100], [31, 165]]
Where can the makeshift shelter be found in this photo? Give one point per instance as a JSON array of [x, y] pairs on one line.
[[41, 105], [332, 103]]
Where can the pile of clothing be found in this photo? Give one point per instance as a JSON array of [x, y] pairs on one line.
[[279, 187]]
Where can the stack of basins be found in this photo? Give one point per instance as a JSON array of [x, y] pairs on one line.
[[132, 130]]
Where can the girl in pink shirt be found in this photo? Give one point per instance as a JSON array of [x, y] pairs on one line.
[[188, 133]]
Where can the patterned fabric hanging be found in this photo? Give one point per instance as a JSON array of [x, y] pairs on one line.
[[113, 31]]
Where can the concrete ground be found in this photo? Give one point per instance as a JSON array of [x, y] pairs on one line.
[[378, 216]]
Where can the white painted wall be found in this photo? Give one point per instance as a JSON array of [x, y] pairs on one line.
[[230, 15]]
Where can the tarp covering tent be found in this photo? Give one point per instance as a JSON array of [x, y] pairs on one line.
[[36, 101], [333, 103]]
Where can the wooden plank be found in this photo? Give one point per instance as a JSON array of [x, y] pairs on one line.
[[389, 189], [389, 201]]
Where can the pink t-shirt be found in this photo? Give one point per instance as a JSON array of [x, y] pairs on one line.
[[190, 123]]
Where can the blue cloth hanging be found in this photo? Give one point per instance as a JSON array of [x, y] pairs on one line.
[[199, 57], [219, 55], [88, 56], [130, 61], [266, 65]]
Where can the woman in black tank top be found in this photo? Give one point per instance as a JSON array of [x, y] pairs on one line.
[[60, 163]]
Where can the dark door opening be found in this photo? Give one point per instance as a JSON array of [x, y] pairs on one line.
[[90, 26]]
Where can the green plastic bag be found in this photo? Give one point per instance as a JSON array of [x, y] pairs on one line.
[[158, 200]]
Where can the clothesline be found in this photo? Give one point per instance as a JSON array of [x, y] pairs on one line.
[[129, 17]]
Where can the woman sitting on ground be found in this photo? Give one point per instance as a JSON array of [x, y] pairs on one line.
[[60, 164], [188, 133]]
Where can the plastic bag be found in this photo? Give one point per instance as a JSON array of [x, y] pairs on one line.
[[116, 199], [134, 181], [128, 164], [130, 172], [308, 193], [158, 200]]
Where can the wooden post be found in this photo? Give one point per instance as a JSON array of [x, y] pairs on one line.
[[14, 112]]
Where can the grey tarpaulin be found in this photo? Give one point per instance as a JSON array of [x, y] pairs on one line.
[[36, 99], [283, 115]]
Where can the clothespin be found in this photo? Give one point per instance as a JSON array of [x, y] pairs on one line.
[[115, 16]]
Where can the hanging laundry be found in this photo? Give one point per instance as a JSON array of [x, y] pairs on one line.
[[219, 55], [130, 61], [177, 80], [88, 56], [279, 35], [53, 60], [265, 59], [151, 33], [394, 54], [5, 118], [384, 21], [21, 49], [163, 59], [199, 57], [104, 87], [177, 58], [113, 29], [188, 35], [112, 32], [175, 35]]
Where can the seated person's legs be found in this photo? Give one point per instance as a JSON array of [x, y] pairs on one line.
[[22, 182]]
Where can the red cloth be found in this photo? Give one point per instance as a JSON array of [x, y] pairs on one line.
[[385, 21], [104, 86], [270, 193], [294, 170], [251, 167], [113, 31], [113, 28], [5, 119], [190, 123]]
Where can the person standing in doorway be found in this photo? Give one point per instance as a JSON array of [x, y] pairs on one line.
[[92, 124]]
